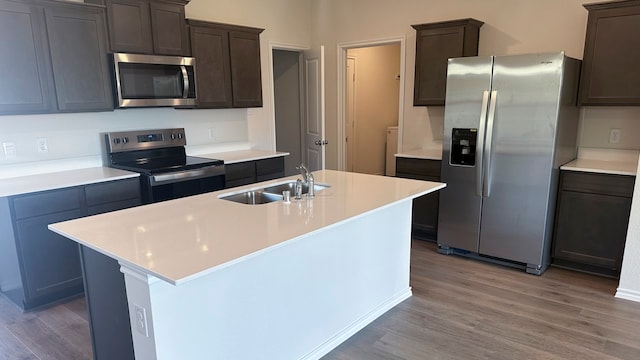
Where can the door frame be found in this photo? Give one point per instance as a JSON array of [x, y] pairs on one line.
[[299, 48], [341, 90]]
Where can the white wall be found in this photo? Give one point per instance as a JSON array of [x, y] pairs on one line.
[[629, 286], [284, 21], [74, 138]]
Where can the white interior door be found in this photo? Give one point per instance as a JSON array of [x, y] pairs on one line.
[[314, 140]]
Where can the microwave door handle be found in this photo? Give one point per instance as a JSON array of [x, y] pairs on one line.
[[185, 82]]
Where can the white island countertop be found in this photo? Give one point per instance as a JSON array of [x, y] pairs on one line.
[[184, 239], [62, 179]]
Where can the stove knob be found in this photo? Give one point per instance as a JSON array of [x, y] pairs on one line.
[[180, 135], [116, 141], [125, 140], [173, 136]]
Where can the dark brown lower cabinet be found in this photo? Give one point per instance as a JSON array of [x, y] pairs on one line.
[[249, 172], [592, 217], [425, 208]]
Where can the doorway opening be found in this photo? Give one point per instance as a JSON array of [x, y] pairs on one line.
[[288, 109], [370, 103], [298, 105]]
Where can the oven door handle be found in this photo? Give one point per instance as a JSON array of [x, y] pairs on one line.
[[208, 171]]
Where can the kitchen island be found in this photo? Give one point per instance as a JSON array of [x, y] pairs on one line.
[[210, 278]]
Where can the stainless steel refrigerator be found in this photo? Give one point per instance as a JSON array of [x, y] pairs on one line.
[[509, 123]]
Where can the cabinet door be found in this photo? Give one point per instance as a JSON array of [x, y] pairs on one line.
[[27, 82], [246, 75], [611, 65], [238, 174], [129, 26], [168, 29], [50, 262], [78, 46], [268, 169], [433, 48], [210, 47], [591, 229]]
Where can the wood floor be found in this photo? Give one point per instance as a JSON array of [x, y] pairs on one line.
[[460, 309]]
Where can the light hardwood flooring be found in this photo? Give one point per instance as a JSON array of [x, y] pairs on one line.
[[460, 309]]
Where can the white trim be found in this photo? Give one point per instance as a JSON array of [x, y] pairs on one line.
[[138, 274], [350, 330], [342, 66], [627, 294], [274, 45]]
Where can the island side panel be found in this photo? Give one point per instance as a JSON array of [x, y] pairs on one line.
[[297, 300]]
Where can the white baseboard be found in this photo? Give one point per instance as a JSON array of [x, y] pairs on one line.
[[627, 294], [358, 325]]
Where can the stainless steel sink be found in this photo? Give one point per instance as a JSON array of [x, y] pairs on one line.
[[253, 197], [290, 186], [269, 194]]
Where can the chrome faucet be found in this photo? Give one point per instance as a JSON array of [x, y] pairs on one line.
[[307, 178]]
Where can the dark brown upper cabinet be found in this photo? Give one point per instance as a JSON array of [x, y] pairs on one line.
[[53, 58], [611, 61], [78, 43], [228, 70], [435, 44], [148, 26]]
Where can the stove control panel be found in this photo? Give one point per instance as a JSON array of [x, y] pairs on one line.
[[144, 139]]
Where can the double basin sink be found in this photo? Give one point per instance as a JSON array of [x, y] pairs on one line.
[[269, 193]]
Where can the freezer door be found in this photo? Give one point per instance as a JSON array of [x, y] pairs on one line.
[[514, 210], [468, 89]]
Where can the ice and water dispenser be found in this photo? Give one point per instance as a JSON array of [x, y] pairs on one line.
[[463, 146]]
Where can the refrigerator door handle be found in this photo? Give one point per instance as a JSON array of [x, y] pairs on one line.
[[488, 143], [480, 146]]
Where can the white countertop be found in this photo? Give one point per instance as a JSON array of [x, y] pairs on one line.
[[427, 154], [56, 180], [604, 161], [231, 157], [602, 166], [183, 239]]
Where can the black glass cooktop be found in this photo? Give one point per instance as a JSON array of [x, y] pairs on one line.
[[154, 161]]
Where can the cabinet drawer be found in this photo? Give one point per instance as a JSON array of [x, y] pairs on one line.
[[606, 184], [47, 202], [112, 191], [421, 167], [269, 166], [240, 170]]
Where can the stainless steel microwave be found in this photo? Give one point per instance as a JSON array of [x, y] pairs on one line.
[[151, 80]]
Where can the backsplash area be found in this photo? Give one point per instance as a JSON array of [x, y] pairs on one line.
[[73, 140], [596, 124]]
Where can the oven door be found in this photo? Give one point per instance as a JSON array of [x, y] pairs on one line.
[[150, 80], [173, 185]]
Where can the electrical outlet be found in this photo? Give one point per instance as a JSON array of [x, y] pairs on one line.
[[43, 145], [614, 136], [9, 150], [141, 320], [212, 134]]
